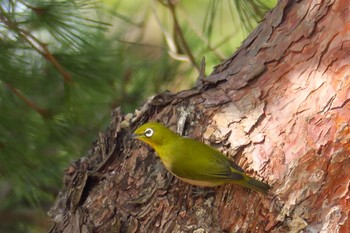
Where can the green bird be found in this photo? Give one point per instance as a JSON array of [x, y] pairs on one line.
[[194, 162]]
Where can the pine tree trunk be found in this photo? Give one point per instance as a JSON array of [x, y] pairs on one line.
[[279, 107]]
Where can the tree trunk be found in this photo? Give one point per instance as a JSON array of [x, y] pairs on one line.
[[279, 107]]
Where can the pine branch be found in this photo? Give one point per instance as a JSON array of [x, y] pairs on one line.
[[36, 44]]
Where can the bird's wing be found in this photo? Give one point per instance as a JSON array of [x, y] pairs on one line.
[[194, 160]]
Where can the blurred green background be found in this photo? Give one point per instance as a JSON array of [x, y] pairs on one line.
[[65, 65]]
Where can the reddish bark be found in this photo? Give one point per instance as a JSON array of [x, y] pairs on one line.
[[279, 107]]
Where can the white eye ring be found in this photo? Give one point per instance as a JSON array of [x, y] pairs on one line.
[[149, 132]]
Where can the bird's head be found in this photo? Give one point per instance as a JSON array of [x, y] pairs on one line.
[[154, 134]]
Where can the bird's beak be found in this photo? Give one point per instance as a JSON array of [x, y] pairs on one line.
[[134, 136]]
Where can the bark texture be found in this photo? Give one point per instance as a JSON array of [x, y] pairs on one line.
[[279, 107]]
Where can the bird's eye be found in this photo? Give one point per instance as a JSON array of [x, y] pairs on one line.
[[148, 132]]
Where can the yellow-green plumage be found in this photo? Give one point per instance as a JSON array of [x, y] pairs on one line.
[[194, 162]]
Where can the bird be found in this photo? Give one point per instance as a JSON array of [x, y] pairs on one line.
[[194, 162]]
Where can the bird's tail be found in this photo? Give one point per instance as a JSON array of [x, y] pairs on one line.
[[255, 185]]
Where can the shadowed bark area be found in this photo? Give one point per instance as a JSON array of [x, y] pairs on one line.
[[279, 107]]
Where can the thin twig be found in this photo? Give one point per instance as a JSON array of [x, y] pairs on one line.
[[180, 35], [43, 112], [172, 49]]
